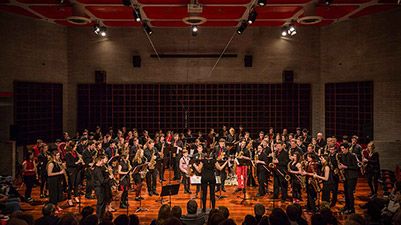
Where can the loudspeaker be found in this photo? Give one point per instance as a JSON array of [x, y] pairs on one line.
[[288, 76], [136, 61], [248, 60], [100, 77], [13, 132]]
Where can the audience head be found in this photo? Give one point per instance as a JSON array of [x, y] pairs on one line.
[[107, 217], [224, 210], [28, 218], [264, 220], [215, 218], [317, 219], [173, 221], [278, 217], [90, 220], [133, 219], [164, 213], [121, 220], [227, 222], [68, 219], [192, 207], [292, 212], [16, 221], [259, 209], [250, 220], [355, 219], [86, 211], [176, 212], [48, 209]]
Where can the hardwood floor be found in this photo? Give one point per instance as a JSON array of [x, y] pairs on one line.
[[233, 202]]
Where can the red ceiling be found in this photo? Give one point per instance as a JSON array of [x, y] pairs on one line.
[[218, 13]]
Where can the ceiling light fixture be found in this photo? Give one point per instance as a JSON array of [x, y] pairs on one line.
[[194, 30], [252, 16], [261, 2], [137, 15], [147, 29], [242, 27], [100, 30], [288, 30]]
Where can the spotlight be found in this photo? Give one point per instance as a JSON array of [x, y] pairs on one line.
[[261, 2], [291, 30], [252, 17], [194, 30], [288, 30], [242, 28], [283, 31], [126, 2], [100, 30], [328, 2], [147, 29], [137, 15]]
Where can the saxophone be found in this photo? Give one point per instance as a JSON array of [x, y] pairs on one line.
[[152, 162], [338, 171], [312, 180]]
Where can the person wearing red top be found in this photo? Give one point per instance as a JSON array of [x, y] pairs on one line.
[[29, 175]]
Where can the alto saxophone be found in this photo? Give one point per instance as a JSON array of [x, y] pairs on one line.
[[340, 172]]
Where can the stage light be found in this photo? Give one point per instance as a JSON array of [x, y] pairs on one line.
[[283, 31], [261, 2], [147, 29], [126, 2], [252, 17], [291, 30], [194, 30], [100, 30], [242, 27], [328, 2], [137, 15], [288, 30]]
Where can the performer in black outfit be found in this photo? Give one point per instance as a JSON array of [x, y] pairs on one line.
[[312, 167], [43, 159], [327, 178], [102, 186], [123, 168], [370, 158], [88, 156], [207, 167], [355, 147], [54, 179], [139, 159], [281, 162], [197, 157], [152, 156], [220, 151], [178, 145], [350, 167], [262, 171], [295, 172], [332, 162], [73, 167]]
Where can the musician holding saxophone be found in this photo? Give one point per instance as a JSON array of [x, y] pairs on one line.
[[55, 172], [327, 178], [333, 163], [152, 155], [350, 167], [312, 185], [280, 160], [102, 183], [138, 178]]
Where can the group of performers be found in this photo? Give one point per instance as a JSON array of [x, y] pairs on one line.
[[124, 161]]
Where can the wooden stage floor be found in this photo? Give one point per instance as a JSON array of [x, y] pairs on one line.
[[233, 202]]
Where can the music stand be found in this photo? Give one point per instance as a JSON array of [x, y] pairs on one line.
[[136, 170], [170, 189]]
